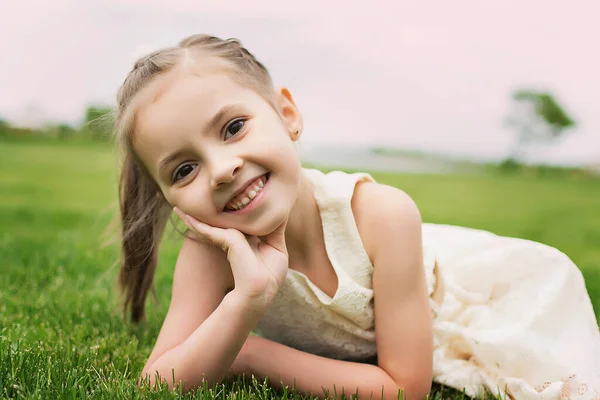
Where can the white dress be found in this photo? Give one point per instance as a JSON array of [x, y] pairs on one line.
[[515, 316]]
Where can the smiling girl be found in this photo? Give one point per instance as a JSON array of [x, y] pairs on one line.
[[331, 269]]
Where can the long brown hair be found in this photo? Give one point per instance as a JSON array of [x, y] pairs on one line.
[[143, 210]]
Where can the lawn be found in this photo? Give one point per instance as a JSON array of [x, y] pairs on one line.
[[61, 334]]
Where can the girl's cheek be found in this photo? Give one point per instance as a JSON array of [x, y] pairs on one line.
[[171, 198], [191, 202]]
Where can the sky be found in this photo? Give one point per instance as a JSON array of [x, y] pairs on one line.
[[422, 75]]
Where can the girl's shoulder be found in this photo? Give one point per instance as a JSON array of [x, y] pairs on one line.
[[380, 210], [383, 214]]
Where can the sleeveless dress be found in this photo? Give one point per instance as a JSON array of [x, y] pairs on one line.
[[515, 316]]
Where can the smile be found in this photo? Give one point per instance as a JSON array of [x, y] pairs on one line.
[[251, 195]]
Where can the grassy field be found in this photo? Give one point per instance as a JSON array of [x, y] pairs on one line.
[[61, 335]]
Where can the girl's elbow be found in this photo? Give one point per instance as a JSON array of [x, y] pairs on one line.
[[155, 379], [151, 377], [407, 383], [173, 378], [415, 390]]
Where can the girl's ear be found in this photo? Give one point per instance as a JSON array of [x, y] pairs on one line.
[[290, 113]]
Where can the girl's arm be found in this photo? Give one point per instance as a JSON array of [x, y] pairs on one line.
[[204, 327], [403, 318], [312, 374], [209, 352], [257, 267]]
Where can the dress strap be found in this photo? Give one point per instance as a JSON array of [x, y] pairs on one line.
[[333, 193]]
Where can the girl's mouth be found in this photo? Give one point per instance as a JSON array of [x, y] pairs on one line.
[[250, 198]]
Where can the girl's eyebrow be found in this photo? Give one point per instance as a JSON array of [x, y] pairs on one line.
[[210, 125], [214, 121]]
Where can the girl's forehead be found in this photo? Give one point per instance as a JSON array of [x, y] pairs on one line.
[[190, 96], [214, 73], [186, 85]]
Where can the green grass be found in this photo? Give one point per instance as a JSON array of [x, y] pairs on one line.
[[61, 334]]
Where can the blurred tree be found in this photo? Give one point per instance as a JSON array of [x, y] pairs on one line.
[[536, 117], [65, 131], [61, 131], [5, 128], [4, 125], [98, 121]]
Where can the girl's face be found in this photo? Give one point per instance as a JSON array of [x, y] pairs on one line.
[[204, 138]]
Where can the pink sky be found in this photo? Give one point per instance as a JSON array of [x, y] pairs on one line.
[[426, 75]]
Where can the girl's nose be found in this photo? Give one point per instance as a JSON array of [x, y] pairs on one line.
[[224, 171]]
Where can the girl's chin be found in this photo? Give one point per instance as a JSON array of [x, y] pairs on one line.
[[251, 231], [262, 228]]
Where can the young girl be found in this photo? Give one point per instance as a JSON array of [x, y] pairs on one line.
[[332, 270]]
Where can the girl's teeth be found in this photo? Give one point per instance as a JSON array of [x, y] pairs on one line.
[[251, 195]]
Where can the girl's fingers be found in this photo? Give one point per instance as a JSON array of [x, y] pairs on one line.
[[253, 241], [193, 225], [180, 214], [191, 222], [218, 237]]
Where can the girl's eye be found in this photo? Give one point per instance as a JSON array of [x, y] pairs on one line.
[[234, 128], [182, 172]]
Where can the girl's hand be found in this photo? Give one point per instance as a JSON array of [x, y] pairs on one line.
[[258, 267]]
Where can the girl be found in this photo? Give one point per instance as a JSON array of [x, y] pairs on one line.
[[330, 269]]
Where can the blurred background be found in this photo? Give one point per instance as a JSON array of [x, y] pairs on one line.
[[485, 113], [420, 77]]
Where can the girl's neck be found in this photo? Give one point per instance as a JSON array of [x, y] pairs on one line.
[[304, 225]]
